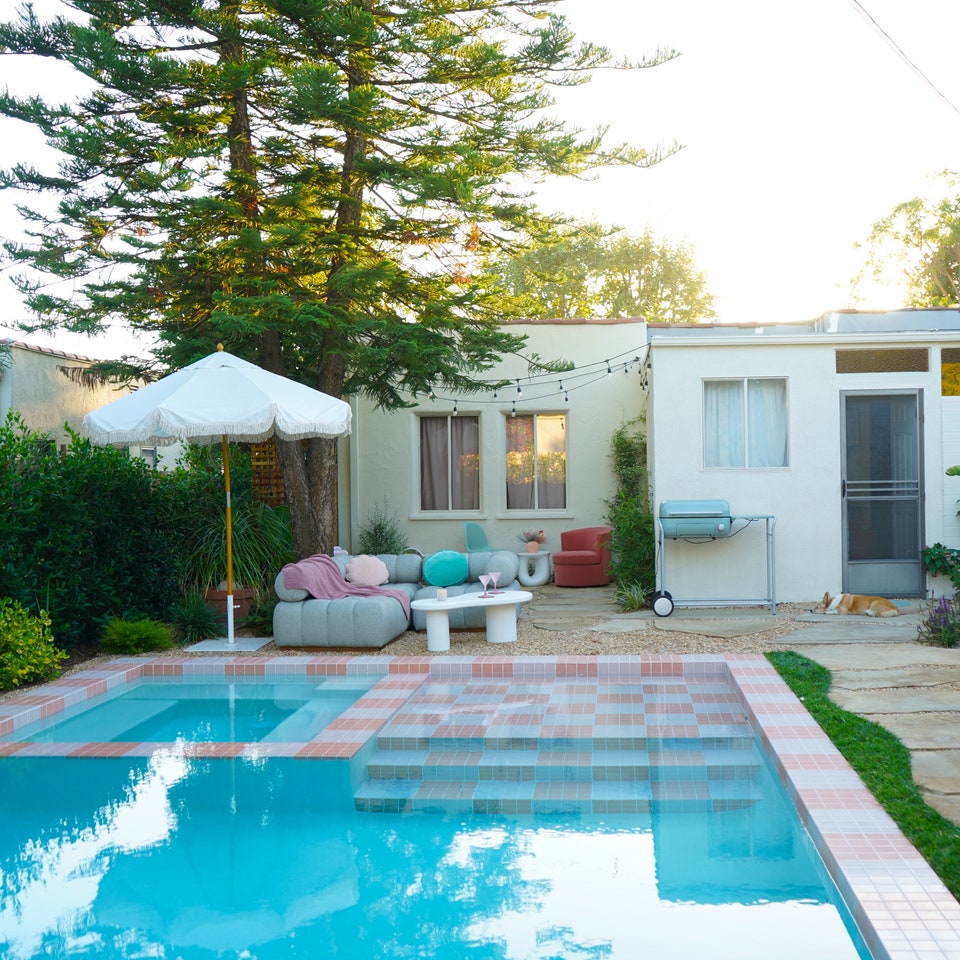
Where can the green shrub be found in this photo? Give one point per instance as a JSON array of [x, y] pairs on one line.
[[84, 534], [634, 539], [27, 653], [381, 533], [136, 636], [193, 620], [941, 625], [90, 533]]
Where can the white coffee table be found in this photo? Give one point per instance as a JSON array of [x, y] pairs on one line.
[[501, 610], [534, 568]]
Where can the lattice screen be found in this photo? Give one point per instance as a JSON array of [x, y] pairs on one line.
[[267, 479]]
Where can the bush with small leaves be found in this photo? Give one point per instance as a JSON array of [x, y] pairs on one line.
[[27, 653], [136, 636]]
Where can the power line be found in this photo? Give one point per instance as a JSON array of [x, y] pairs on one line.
[[901, 53]]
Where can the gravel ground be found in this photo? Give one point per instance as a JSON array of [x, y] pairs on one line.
[[546, 634], [576, 638]]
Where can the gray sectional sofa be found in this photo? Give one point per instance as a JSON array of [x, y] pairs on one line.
[[300, 620]]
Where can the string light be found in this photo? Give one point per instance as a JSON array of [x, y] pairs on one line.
[[576, 378]]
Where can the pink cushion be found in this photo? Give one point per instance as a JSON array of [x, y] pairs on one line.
[[367, 571]]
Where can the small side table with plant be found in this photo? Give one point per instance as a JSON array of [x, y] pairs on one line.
[[533, 539]]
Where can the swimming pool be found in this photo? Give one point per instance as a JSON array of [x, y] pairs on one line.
[[165, 710], [508, 878]]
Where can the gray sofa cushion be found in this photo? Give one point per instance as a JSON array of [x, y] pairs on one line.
[[300, 620], [474, 618]]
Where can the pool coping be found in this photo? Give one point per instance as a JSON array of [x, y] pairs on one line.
[[901, 907]]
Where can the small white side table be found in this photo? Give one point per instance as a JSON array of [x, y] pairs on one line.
[[500, 609], [534, 568]]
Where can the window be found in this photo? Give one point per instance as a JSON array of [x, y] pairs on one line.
[[450, 463], [950, 372], [745, 423], [882, 361], [536, 467]]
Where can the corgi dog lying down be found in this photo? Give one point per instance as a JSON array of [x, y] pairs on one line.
[[857, 605]]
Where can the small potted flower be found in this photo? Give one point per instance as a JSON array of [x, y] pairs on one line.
[[533, 539]]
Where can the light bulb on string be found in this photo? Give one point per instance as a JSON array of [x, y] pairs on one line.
[[519, 388], [609, 369], [495, 393], [454, 407], [513, 410]]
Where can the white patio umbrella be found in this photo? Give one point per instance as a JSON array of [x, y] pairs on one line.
[[218, 399]]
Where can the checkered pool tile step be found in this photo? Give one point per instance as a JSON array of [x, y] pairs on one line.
[[556, 747]]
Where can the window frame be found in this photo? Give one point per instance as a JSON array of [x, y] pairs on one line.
[[536, 481], [745, 433], [451, 485]]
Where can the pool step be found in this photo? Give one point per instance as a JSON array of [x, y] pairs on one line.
[[573, 745], [695, 778]]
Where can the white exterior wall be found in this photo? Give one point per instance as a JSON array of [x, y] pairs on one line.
[[805, 496], [384, 447], [44, 397], [947, 531]]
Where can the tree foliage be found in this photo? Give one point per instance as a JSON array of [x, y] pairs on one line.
[[919, 242], [310, 183], [590, 271]]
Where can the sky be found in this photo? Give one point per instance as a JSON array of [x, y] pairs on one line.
[[801, 126]]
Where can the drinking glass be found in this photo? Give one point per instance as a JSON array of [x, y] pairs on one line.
[[484, 579], [494, 577]]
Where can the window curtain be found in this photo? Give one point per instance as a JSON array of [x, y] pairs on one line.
[[551, 462], [450, 463], [434, 463], [723, 426], [465, 463], [767, 423], [520, 463]]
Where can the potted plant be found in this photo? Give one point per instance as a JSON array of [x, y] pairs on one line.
[[533, 539]]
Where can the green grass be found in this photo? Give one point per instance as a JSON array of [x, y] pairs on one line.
[[881, 761]]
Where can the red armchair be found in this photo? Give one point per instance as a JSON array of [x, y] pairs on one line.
[[584, 558]]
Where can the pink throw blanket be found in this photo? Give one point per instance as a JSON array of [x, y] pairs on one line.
[[321, 578]]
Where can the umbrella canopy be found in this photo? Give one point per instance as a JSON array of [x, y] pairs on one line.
[[215, 400], [220, 395]]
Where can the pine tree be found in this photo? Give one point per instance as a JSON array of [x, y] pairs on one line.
[[308, 182]]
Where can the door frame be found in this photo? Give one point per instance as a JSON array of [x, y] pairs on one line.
[[848, 582]]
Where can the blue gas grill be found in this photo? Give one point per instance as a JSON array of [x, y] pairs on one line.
[[703, 521]]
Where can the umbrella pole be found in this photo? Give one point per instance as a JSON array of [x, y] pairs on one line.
[[229, 515]]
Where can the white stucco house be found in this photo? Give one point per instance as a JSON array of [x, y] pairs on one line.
[[533, 454], [838, 430], [831, 437], [47, 388]]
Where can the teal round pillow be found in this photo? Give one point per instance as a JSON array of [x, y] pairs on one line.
[[445, 569]]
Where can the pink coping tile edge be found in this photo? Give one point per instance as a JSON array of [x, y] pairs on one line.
[[901, 907], [885, 882]]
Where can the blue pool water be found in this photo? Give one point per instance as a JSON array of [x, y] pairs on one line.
[[222, 712], [170, 857]]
